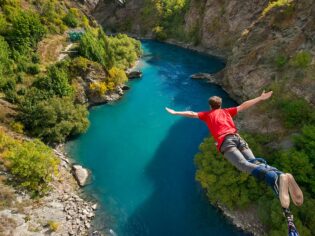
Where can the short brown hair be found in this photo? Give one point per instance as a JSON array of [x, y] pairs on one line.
[[215, 102]]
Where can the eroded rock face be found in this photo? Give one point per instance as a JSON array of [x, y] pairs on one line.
[[61, 212], [252, 63], [86, 95], [91, 4], [250, 40], [135, 74]]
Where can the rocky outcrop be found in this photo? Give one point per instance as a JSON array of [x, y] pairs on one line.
[[63, 211], [91, 4], [134, 74], [81, 174], [85, 94], [281, 32], [207, 77], [244, 219], [250, 37]]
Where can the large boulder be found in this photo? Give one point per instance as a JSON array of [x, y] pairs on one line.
[[215, 79], [81, 174], [134, 74]]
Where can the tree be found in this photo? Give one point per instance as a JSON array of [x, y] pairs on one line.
[[55, 119], [91, 48], [5, 62], [56, 82], [26, 31], [71, 19], [117, 76], [31, 161], [120, 51]]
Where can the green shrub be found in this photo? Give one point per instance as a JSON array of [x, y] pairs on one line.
[[54, 119], [167, 17], [56, 82], [281, 61], [26, 32], [32, 162], [159, 33], [3, 25], [120, 51], [33, 69], [53, 225], [276, 3], [91, 48], [306, 141], [71, 19], [302, 60], [17, 127], [7, 84], [295, 112], [80, 64], [98, 87], [117, 76], [5, 62], [35, 58]]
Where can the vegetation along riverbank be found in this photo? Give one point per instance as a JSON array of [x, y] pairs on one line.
[[47, 83]]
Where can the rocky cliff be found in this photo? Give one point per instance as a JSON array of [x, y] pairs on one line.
[[252, 35]]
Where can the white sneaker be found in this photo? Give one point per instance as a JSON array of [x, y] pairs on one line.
[[284, 190], [295, 191]]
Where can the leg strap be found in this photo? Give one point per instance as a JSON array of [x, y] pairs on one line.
[[292, 231]]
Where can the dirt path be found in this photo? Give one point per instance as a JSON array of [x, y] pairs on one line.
[[64, 52]]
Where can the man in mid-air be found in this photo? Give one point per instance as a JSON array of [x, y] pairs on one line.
[[237, 152]]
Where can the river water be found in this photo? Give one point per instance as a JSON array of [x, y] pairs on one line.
[[142, 158]]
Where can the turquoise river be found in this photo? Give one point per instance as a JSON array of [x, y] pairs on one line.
[[142, 158]]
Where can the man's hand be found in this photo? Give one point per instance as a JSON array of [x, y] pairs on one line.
[[265, 96], [252, 102], [171, 111]]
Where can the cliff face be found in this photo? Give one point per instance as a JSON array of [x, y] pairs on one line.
[[252, 36], [282, 33]]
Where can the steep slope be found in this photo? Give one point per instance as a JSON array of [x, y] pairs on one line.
[[250, 34]]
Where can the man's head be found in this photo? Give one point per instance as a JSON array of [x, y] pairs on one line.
[[215, 102]]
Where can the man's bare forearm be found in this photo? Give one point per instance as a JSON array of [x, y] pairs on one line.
[[252, 102], [190, 114]]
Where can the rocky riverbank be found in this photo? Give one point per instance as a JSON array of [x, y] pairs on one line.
[[245, 219], [63, 211]]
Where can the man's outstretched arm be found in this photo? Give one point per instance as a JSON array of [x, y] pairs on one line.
[[252, 102], [189, 114]]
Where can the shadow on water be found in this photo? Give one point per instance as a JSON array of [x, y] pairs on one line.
[[177, 205]]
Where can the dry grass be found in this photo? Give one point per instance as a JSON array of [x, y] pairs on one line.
[[7, 225], [7, 196], [7, 111], [50, 48]]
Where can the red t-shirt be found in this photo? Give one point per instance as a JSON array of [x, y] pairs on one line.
[[220, 123]]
